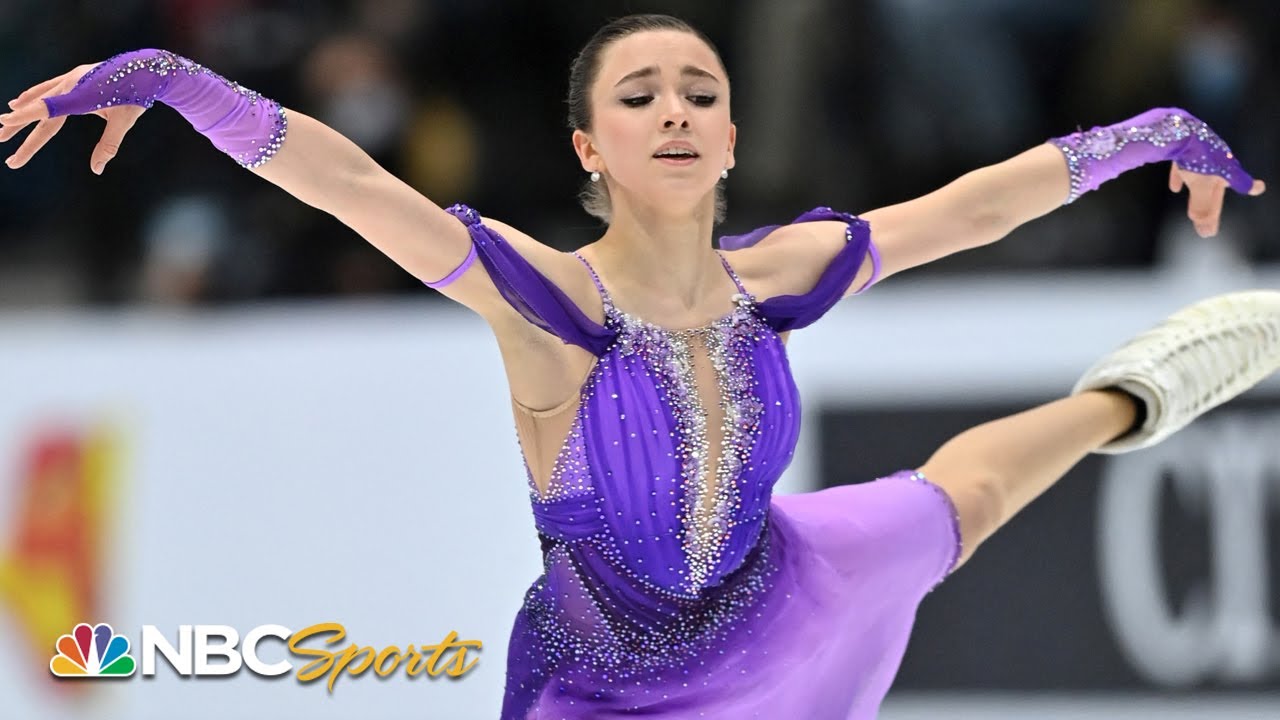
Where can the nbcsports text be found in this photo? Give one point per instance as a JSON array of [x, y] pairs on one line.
[[97, 651]]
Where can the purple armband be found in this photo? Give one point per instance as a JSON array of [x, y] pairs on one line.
[[238, 121], [1103, 153], [875, 268], [457, 272]]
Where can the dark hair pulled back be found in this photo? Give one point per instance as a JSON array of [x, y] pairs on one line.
[[582, 75]]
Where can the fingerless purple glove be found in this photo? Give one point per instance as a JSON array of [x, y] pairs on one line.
[[239, 122], [1103, 153]]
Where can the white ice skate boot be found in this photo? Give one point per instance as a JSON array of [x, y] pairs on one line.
[[1199, 358]]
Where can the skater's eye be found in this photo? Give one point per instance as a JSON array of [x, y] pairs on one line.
[[699, 100]]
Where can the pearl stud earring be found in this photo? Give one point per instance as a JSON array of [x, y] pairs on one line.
[[595, 176], [724, 174]]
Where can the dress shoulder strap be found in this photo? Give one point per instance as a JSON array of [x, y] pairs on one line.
[[595, 278], [791, 312], [732, 273], [528, 291]]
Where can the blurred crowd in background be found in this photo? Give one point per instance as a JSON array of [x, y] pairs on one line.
[[854, 104]]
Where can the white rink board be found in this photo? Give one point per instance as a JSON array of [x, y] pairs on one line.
[[357, 463]]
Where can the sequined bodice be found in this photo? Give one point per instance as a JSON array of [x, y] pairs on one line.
[[675, 502], [663, 558]]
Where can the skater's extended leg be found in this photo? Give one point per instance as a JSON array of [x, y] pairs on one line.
[[995, 469], [1198, 359]]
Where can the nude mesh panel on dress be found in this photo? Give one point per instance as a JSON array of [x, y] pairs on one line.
[[711, 399], [545, 435]]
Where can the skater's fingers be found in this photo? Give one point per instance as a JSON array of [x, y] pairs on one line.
[[1175, 179], [1205, 206], [8, 131], [35, 92], [119, 121], [30, 105], [1258, 188], [42, 133], [24, 115]]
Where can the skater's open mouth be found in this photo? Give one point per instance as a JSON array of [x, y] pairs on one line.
[[676, 150]]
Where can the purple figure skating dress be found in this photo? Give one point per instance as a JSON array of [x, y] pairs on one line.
[[676, 585]]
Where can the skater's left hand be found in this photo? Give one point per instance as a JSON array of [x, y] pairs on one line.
[[29, 107], [1207, 191]]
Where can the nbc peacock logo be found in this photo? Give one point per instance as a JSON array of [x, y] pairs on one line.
[[92, 651]]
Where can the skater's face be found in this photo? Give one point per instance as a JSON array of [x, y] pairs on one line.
[[657, 91]]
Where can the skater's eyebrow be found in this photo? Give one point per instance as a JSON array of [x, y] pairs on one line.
[[686, 71]]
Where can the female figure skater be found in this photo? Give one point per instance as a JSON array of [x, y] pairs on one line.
[[649, 380]]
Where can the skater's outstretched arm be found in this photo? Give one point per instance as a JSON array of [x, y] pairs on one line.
[[985, 205], [306, 158]]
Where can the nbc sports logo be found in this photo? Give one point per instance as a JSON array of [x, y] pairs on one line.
[[92, 652], [96, 651]]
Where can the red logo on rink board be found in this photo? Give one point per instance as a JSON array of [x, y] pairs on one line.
[[51, 564]]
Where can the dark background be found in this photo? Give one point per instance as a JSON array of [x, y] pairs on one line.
[[1026, 612], [850, 104]]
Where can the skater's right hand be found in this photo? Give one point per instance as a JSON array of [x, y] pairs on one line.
[[1205, 195], [29, 107]]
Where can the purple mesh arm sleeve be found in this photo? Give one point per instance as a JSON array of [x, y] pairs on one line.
[[1103, 153], [238, 121]]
